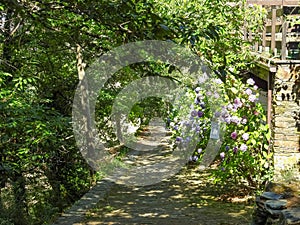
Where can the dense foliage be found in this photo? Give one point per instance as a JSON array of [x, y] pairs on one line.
[[45, 47]]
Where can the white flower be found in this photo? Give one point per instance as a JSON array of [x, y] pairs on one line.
[[218, 81], [250, 81], [236, 119], [197, 89], [243, 147], [245, 136], [248, 91], [229, 107], [202, 79], [244, 121], [252, 98]]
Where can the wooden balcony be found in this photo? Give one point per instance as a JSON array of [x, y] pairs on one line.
[[278, 42]]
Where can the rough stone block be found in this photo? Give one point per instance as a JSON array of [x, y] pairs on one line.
[[270, 196], [283, 74], [276, 204], [287, 144], [290, 217], [285, 161]]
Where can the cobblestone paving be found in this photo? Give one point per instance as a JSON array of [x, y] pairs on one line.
[[188, 197]]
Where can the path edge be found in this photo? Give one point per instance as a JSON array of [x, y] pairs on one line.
[[77, 212]]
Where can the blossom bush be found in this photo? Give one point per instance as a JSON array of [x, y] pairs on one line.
[[244, 157]]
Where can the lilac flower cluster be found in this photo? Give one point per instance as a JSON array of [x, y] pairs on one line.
[[197, 122], [236, 115]]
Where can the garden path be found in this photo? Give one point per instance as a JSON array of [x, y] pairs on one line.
[[188, 197]]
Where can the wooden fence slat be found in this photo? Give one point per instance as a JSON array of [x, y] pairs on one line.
[[283, 41]]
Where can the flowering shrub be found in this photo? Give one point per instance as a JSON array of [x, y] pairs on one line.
[[243, 157]]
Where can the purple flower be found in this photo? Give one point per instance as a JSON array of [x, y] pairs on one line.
[[250, 81], [227, 148], [175, 127], [248, 91], [179, 139], [200, 113], [252, 98], [222, 155], [245, 136], [188, 139], [224, 113], [209, 93], [243, 147], [235, 149], [237, 103], [217, 114], [223, 168], [194, 113], [199, 150], [187, 123], [233, 135], [198, 128], [228, 119]]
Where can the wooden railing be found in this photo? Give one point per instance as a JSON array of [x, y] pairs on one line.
[[280, 37]]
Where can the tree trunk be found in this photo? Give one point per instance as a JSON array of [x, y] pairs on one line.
[[89, 145]]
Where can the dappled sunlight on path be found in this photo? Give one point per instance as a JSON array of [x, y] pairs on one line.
[[187, 197]]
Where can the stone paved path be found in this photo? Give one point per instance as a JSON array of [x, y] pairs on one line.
[[189, 197]]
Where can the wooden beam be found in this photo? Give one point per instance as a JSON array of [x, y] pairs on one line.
[[273, 31]]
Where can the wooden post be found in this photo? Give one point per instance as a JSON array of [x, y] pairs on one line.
[[245, 31], [250, 36], [256, 46], [264, 37], [283, 41], [273, 31], [269, 106]]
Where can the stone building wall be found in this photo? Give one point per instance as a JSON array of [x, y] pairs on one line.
[[286, 121]]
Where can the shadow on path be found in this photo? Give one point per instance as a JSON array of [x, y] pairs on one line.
[[189, 197]]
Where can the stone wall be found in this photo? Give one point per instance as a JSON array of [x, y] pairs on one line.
[[286, 117]]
